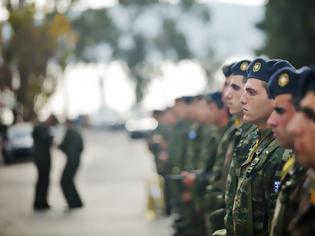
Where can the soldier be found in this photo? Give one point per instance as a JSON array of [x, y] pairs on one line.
[[158, 137], [218, 182], [303, 130], [43, 140], [282, 88], [178, 140], [210, 112], [258, 184], [242, 139], [72, 146], [194, 135], [175, 158], [219, 118]]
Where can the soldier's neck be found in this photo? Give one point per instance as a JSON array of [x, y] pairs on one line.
[[262, 126]]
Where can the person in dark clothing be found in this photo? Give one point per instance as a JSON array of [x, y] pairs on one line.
[[41, 155], [72, 146]]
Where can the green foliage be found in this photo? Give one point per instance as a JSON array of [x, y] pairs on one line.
[[33, 44], [172, 40], [290, 31], [96, 27], [92, 28]]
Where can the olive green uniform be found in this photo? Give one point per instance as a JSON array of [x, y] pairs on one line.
[[258, 186]]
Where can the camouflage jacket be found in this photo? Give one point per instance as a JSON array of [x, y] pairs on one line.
[[244, 139], [304, 221], [292, 178], [223, 154], [194, 139], [258, 186], [157, 137], [203, 178], [210, 138], [176, 146]]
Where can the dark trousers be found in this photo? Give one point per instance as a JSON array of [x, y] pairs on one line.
[[42, 184], [67, 183]]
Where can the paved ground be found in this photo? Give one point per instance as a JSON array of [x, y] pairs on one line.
[[112, 184]]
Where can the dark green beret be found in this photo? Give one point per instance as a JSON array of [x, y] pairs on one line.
[[284, 81], [262, 69], [240, 68], [215, 97]]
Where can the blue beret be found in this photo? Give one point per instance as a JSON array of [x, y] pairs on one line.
[[226, 69], [284, 81], [262, 69], [215, 97], [184, 99], [307, 83], [240, 68]]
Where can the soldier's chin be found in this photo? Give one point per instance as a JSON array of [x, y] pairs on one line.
[[304, 160], [247, 118]]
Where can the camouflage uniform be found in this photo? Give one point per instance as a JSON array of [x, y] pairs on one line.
[[217, 177], [176, 161], [210, 139], [177, 144], [244, 139], [303, 223], [157, 142], [292, 177], [194, 139], [209, 144], [258, 186]]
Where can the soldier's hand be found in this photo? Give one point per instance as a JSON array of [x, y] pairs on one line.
[[186, 196], [189, 178]]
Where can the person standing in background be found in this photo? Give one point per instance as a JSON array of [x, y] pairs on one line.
[[43, 140], [72, 146]]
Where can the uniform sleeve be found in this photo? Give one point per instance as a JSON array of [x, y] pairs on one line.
[[231, 186], [272, 181]]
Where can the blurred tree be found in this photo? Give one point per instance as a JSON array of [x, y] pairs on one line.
[[142, 54], [34, 44], [290, 31]]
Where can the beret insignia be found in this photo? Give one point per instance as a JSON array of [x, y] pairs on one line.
[[283, 80], [244, 66], [257, 66]]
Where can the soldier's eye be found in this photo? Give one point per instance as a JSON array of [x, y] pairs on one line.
[[308, 112], [235, 87], [279, 110]]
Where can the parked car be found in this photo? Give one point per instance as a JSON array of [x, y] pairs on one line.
[[139, 123], [140, 127], [18, 143], [107, 118]]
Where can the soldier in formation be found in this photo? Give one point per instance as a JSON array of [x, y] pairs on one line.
[[240, 161]]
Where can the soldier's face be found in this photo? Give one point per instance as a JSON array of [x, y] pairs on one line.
[[283, 111], [169, 117], [180, 110], [214, 113], [256, 105], [233, 94], [302, 128], [202, 111], [224, 89]]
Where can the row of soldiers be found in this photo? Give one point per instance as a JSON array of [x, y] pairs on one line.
[[241, 161]]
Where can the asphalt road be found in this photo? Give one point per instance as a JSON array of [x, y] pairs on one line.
[[112, 183]]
